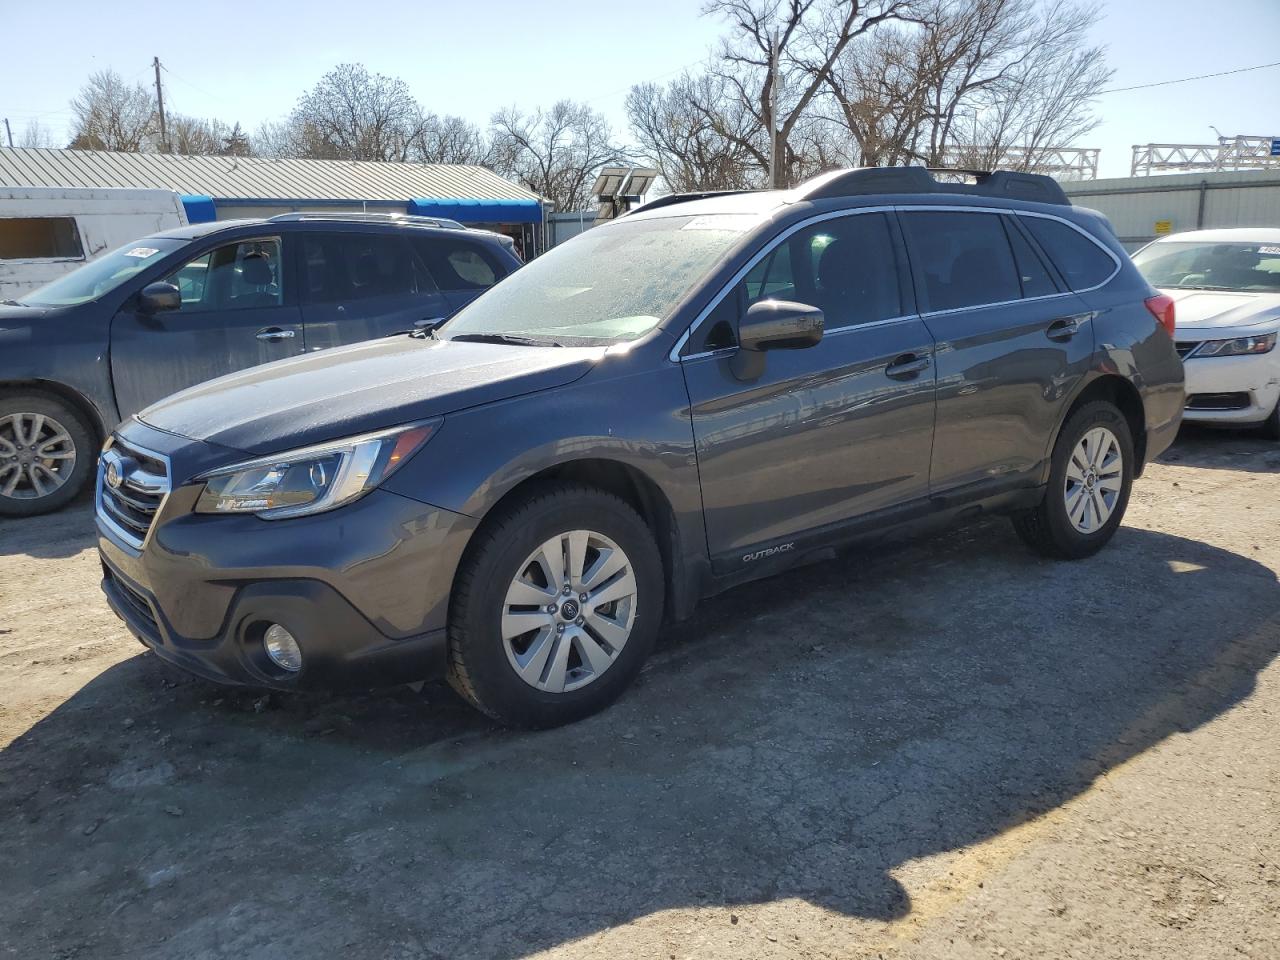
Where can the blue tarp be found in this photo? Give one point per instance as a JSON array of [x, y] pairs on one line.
[[478, 211], [199, 208]]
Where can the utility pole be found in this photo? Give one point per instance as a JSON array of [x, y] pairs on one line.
[[775, 78], [164, 136], [8, 132]]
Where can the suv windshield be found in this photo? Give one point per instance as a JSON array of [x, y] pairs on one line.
[[608, 285], [102, 275], [1243, 267]]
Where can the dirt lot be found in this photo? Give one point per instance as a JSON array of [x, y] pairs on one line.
[[946, 749]]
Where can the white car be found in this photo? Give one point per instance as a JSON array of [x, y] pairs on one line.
[[1226, 289]]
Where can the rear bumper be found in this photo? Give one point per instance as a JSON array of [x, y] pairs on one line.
[[1244, 390]]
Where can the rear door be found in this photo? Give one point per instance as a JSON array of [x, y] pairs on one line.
[[358, 286], [828, 433], [463, 268], [238, 310], [1012, 346]]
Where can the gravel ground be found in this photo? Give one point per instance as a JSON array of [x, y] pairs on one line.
[[946, 748]]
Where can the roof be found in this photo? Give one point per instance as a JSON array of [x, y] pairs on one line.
[[255, 178], [1227, 235]]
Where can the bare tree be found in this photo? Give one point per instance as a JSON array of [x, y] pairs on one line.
[[451, 140], [352, 114], [556, 153], [691, 133], [35, 134], [191, 136], [112, 115], [811, 36]]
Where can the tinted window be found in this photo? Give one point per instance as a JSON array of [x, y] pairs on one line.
[[962, 259], [844, 266], [39, 238], [361, 266], [1032, 272], [458, 264], [237, 276], [1080, 261]]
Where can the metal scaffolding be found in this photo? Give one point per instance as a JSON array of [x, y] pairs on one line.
[[1064, 163], [1229, 153]]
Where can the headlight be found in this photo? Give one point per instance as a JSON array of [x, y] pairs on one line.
[[1239, 347], [313, 479]]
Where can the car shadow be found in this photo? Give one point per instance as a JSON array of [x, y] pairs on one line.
[[1210, 449], [802, 737], [51, 536]]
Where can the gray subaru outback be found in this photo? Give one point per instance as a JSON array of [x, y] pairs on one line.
[[703, 392]]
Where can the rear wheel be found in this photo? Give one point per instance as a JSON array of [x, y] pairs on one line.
[[46, 454], [1089, 482], [555, 608]]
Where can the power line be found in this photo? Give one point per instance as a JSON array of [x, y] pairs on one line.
[[1203, 76]]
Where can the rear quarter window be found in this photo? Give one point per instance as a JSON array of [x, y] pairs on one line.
[[1082, 263], [459, 264]]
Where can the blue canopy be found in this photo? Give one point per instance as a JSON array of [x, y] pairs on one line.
[[199, 208], [478, 211]]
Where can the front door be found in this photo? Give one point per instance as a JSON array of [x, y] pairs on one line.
[[828, 433], [1012, 346], [358, 286], [237, 311]]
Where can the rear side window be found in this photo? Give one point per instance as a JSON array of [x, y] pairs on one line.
[[1034, 275], [961, 259], [40, 238], [339, 268], [1082, 263], [459, 264]]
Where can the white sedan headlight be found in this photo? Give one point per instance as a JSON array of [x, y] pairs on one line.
[[1239, 347], [312, 479]]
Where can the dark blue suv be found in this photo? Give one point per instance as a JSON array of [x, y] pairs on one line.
[[187, 305]]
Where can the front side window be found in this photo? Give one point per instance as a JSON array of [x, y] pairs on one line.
[[963, 259], [236, 276], [1082, 263], [611, 284], [846, 267], [1190, 265], [40, 238], [99, 277]]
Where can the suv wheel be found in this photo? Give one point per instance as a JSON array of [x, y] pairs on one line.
[[556, 608], [1089, 482], [46, 454], [1271, 426]]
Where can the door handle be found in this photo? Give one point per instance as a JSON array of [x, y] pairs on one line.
[[1064, 328], [271, 334], [907, 367]]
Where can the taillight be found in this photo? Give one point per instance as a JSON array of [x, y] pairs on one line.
[[1161, 307]]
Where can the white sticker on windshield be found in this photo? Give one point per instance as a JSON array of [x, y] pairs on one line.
[[141, 252], [1269, 251]]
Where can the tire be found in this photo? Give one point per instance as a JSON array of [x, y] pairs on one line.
[[61, 431], [1271, 426], [510, 564], [1051, 528]]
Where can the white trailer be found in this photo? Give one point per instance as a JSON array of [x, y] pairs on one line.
[[48, 231]]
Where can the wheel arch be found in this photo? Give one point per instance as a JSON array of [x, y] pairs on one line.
[[93, 416], [1123, 394]]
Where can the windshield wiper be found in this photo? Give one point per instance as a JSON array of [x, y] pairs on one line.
[[508, 338]]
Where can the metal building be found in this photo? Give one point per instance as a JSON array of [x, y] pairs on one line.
[[1143, 208], [223, 188]]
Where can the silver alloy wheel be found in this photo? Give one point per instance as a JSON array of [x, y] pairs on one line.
[[37, 455], [569, 611], [1095, 476]]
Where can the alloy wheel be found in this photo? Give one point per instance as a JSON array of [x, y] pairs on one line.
[[37, 455], [1095, 477], [569, 611]]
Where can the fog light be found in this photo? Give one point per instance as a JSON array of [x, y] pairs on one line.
[[282, 648]]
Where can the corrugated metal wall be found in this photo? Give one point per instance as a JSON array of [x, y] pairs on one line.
[[1192, 201]]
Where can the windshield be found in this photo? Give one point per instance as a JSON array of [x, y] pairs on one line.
[[1242, 267], [608, 285], [102, 275]]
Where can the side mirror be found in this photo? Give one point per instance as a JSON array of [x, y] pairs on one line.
[[773, 325], [158, 297]]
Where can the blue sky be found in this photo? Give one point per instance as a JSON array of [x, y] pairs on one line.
[[249, 62]]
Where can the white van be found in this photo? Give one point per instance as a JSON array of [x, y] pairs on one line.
[[48, 231]]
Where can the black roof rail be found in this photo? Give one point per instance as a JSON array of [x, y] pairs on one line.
[[362, 217], [1008, 184]]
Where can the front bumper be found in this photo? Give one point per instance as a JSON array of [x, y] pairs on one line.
[[364, 589], [1232, 390]]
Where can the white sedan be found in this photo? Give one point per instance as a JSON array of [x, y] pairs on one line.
[[1226, 288]]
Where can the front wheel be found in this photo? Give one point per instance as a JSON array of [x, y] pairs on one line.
[[1271, 427], [46, 454], [555, 607], [1089, 482]]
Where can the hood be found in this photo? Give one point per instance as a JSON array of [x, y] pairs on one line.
[[14, 316], [1220, 309], [352, 390]]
